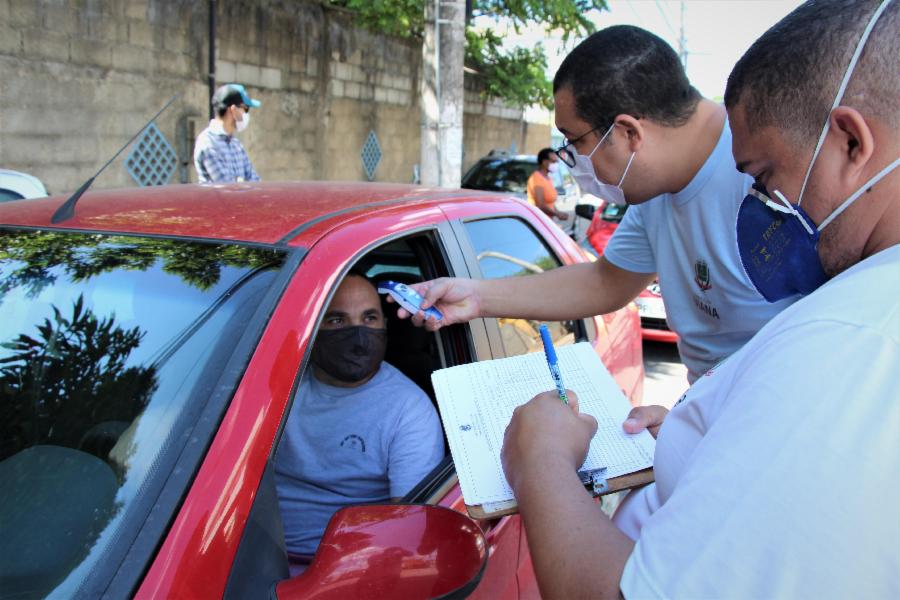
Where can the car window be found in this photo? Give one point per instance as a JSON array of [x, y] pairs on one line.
[[507, 247], [6, 194], [369, 442], [502, 175], [109, 346]]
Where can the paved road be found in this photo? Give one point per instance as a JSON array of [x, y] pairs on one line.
[[665, 377]]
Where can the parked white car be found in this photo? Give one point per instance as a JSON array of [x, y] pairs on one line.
[[16, 186]]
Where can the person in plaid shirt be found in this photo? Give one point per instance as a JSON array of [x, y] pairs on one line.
[[219, 156]]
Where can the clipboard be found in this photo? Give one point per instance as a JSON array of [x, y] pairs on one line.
[[597, 486], [476, 402]]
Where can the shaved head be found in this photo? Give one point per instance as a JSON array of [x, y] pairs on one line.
[[789, 77]]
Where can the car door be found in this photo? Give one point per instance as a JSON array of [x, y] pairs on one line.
[[507, 246]]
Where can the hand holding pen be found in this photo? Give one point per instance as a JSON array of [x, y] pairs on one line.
[[553, 363]]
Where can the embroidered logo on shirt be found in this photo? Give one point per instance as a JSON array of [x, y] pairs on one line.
[[701, 274], [354, 442]]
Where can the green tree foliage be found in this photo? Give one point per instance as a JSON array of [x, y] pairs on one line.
[[516, 76], [36, 259], [69, 376]]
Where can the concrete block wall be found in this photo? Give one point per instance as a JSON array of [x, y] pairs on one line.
[[492, 125], [79, 77]]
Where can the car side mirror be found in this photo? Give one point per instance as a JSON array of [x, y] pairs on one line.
[[395, 551], [585, 211]]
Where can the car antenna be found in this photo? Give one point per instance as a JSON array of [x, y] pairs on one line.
[[67, 210]]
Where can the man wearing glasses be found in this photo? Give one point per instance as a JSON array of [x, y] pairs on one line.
[[219, 156], [639, 133]]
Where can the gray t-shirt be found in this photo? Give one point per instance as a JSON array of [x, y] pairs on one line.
[[345, 446]]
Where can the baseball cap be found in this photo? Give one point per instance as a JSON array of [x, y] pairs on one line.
[[233, 93]]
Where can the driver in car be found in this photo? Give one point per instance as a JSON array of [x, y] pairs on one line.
[[359, 431]]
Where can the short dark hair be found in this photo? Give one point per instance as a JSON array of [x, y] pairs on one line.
[[544, 154], [625, 69], [357, 271], [789, 77]]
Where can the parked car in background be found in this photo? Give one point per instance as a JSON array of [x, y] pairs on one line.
[[150, 347], [15, 185], [604, 220], [500, 171]]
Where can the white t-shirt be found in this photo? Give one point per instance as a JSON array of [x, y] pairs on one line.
[[689, 240], [778, 475], [345, 446]]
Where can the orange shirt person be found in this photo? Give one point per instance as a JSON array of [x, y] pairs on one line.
[[541, 191]]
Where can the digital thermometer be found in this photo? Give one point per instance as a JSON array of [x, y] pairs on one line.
[[408, 298]]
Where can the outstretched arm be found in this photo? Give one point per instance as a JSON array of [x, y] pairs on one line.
[[571, 292]]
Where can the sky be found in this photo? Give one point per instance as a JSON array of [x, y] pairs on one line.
[[717, 33]]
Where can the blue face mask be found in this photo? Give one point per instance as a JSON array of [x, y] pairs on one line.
[[777, 241], [777, 244]]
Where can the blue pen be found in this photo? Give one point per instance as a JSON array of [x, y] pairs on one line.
[[550, 352]]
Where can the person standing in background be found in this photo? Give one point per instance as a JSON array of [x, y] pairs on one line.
[[541, 191], [219, 156]]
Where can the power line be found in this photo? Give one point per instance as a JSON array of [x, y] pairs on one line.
[[666, 19]]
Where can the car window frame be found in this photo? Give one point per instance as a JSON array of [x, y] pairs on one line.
[[436, 484], [583, 331]]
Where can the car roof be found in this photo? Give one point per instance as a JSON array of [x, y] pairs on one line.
[[532, 158], [267, 213]]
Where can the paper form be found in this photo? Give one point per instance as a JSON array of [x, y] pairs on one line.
[[476, 403]]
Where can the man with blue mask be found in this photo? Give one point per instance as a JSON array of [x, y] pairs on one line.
[[777, 472], [639, 133]]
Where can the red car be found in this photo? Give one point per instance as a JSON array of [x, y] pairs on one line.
[[150, 347], [604, 221]]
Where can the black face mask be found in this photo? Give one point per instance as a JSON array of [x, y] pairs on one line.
[[349, 354]]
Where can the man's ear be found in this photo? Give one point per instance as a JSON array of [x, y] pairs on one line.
[[855, 141], [632, 129]]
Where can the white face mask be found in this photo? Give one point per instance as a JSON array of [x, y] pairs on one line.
[[242, 124], [586, 176], [553, 168]]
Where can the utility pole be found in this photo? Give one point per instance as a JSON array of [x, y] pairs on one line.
[[442, 93], [682, 41]]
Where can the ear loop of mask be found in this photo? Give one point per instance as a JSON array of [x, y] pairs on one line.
[[605, 135], [627, 166], [865, 188], [840, 96], [630, 158]]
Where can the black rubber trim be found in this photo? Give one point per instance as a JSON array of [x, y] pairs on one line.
[[261, 561], [431, 482]]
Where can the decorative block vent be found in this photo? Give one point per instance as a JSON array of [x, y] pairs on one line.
[[152, 161], [371, 155]]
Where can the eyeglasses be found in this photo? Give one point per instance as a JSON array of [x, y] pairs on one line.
[[565, 154]]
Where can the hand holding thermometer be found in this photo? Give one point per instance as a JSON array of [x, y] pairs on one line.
[[550, 352], [408, 298]]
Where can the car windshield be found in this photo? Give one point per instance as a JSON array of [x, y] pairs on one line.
[[110, 347], [500, 175]]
